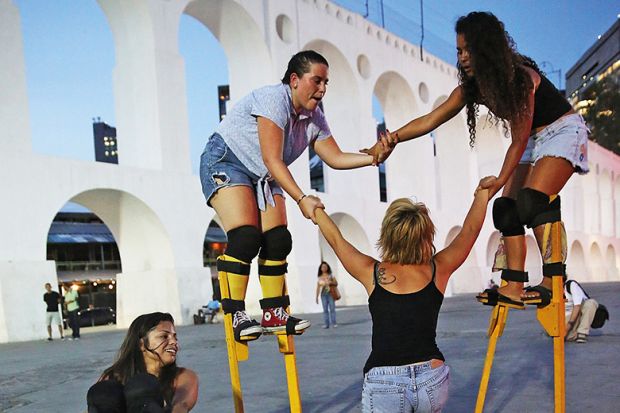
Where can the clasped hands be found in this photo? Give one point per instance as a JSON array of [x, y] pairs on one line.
[[382, 149], [492, 183]]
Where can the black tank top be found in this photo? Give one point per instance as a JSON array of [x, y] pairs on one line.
[[549, 104], [403, 325]]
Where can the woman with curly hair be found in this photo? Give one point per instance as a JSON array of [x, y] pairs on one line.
[[549, 144]]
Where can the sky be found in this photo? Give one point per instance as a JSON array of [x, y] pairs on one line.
[[69, 54]]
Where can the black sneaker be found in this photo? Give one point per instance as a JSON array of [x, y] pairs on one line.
[[49, 339], [246, 329]]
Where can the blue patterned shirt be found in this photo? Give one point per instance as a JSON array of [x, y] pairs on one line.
[[239, 128]]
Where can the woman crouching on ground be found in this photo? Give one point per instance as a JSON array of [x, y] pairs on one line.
[[145, 378]]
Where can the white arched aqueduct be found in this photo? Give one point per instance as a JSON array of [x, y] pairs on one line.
[[152, 202]]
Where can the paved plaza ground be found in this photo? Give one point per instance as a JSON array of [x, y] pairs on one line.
[[48, 377]]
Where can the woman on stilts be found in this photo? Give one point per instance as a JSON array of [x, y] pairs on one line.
[[549, 144], [244, 173]]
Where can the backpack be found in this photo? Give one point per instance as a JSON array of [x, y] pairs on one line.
[[601, 314]]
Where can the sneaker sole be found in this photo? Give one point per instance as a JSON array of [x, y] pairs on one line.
[[301, 326], [252, 333]]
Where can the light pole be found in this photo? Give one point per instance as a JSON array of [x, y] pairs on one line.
[[547, 63]]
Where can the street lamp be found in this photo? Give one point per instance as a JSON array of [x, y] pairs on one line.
[[547, 63]]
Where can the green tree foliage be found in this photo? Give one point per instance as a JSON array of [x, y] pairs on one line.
[[603, 115]]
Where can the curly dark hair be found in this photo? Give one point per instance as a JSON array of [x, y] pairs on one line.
[[500, 81]]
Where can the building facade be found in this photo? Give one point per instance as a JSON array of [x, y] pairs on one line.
[[154, 207]]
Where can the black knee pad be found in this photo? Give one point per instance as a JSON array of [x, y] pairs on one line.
[[243, 243], [277, 244], [535, 209], [506, 217], [106, 397]]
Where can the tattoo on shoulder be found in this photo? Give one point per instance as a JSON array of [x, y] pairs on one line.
[[384, 278]]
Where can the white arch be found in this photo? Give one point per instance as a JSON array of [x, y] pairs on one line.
[[396, 97], [597, 265], [342, 90], [452, 143], [576, 262], [147, 260], [611, 263], [242, 40], [399, 103]]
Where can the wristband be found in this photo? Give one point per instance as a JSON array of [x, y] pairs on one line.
[[302, 197]]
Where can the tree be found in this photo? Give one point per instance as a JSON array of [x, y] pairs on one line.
[[603, 113]]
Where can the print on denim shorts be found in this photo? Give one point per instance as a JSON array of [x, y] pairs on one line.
[[583, 150], [220, 178]]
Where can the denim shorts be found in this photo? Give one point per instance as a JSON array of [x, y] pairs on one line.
[[565, 138], [220, 168], [412, 388]]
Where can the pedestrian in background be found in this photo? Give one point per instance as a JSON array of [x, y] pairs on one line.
[[73, 307], [52, 299], [323, 286]]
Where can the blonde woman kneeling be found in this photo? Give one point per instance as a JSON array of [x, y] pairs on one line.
[[405, 369]]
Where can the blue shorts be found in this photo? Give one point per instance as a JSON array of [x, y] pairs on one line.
[[565, 138], [220, 168], [412, 388]]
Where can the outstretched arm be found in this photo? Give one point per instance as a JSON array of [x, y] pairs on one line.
[[438, 116], [451, 258], [329, 151], [359, 265]]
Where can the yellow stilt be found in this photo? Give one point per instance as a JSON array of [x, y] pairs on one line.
[[286, 345], [552, 319], [236, 351], [239, 351], [496, 329]]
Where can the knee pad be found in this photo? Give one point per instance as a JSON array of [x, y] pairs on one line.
[[276, 244], [106, 396], [243, 243], [506, 217], [537, 208]]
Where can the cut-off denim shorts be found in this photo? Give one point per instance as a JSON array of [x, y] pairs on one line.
[[220, 168], [565, 138], [412, 388]]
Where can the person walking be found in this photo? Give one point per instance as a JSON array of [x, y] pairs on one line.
[[325, 282]]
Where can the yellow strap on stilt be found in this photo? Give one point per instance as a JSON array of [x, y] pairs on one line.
[[552, 317], [236, 351], [497, 322]]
